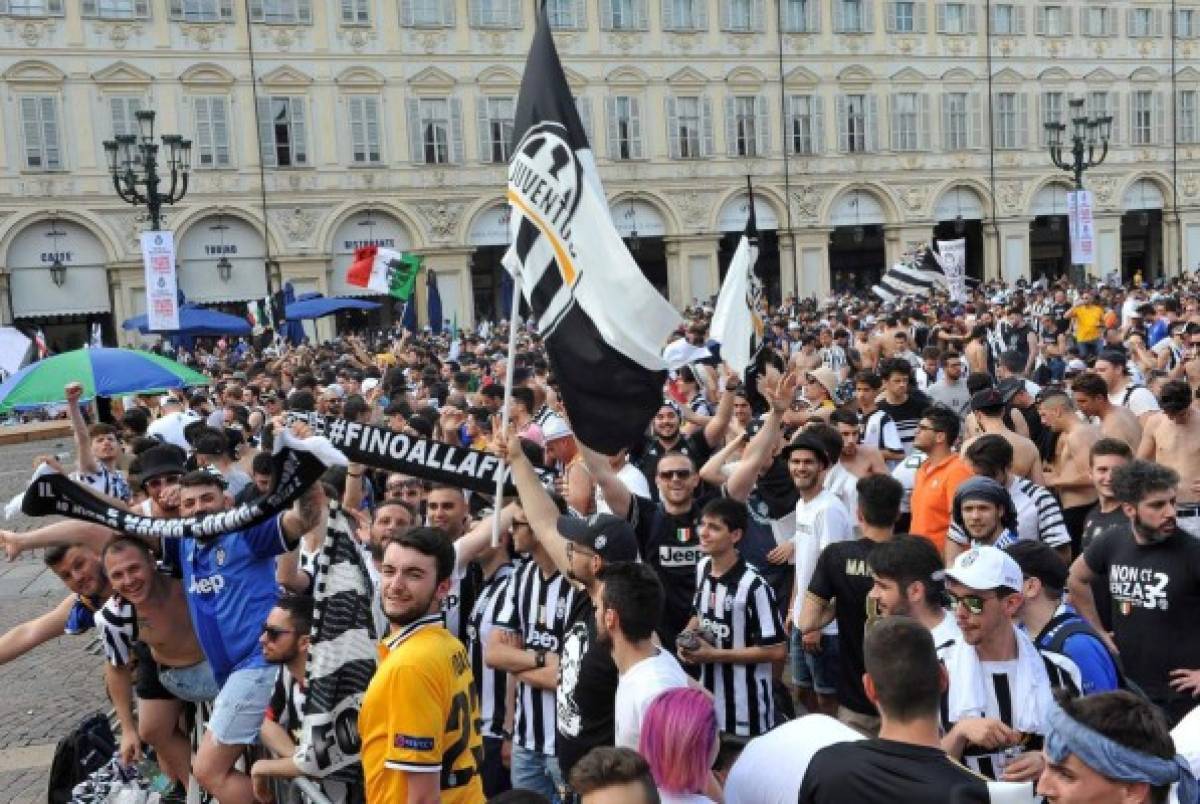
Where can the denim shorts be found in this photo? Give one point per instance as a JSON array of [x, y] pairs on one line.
[[241, 705], [817, 672], [194, 683]]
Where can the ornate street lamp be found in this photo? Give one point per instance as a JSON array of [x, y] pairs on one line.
[[133, 163], [1087, 134]]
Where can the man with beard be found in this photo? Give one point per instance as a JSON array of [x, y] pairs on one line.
[[907, 573], [984, 514], [1170, 440], [146, 623], [418, 722], [666, 436], [1153, 576], [581, 549]]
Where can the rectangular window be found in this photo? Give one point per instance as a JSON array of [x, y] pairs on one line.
[[281, 12], [39, 125], [566, 15], [211, 144], [745, 142], [952, 18], [687, 128], [1052, 20], [435, 130], [1052, 112], [1102, 104], [283, 127], [1141, 22], [850, 17], [32, 8], [624, 128], [364, 130], [116, 9], [854, 124], [1185, 23], [739, 15], [1187, 116], [903, 16], [202, 10], [1008, 20], [1098, 21], [123, 111], [803, 126], [495, 14], [1143, 118], [1008, 126], [356, 12], [954, 121], [496, 129], [905, 116], [799, 16], [427, 13]]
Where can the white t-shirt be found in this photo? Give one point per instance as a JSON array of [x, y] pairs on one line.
[[771, 768], [633, 479], [945, 634], [1141, 400], [819, 522], [638, 688], [844, 485], [906, 472], [170, 428], [682, 798]]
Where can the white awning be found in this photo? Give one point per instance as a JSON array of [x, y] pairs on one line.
[[204, 244], [33, 252]]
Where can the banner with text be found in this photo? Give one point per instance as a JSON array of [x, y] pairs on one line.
[[1082, 227], [425, 458], [162, 303]]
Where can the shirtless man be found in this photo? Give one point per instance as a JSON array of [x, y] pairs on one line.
[[1070, 473], [856, 461], [808, 358], [1116, 421], [147, 619], [1171, 439], [987, 414], [976, 351]]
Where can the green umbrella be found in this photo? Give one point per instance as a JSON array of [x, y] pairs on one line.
[[102, 372]]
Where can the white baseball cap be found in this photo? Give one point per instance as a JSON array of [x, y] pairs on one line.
[[556, 427], [985, 567]]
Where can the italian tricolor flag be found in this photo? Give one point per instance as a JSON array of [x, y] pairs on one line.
[[384, 271]]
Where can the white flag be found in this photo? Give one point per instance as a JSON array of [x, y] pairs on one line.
[[737, 322]]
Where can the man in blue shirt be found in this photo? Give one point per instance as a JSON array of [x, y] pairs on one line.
[[230, 584], [1061, 635]]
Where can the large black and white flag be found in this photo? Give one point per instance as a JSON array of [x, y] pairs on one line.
[[919, 275], [604, 325], [737, 322]]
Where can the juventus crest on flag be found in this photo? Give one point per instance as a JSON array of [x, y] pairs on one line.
[[604, 325]]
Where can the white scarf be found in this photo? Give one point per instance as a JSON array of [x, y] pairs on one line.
[[968, 694]]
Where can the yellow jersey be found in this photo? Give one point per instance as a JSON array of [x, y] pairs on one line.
[[421, 715]]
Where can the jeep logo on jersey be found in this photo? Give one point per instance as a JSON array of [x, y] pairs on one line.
[[206, 586], [720, 629], [671, 556], [542, 639], [545, 181]]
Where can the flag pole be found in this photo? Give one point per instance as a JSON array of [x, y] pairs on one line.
[[508, 381]]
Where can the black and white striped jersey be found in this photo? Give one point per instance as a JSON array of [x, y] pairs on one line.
[[536, 607], [116, 623], [490, 682], [739, 609]]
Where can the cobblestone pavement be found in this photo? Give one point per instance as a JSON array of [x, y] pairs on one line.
[[43, 694]]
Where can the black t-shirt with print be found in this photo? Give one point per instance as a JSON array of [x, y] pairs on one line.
[[885, 772], [1155, 593], [587, 687], [842, 576], [671, 545]]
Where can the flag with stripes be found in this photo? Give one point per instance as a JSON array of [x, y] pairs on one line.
[[604, 325], [920, 275], [737, 322]]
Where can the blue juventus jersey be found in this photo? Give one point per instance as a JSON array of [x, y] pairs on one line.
[[230, 583]]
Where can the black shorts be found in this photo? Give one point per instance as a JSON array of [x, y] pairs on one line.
[[148, 687]]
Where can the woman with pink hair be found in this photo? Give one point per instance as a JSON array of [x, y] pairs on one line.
[[679, 741]]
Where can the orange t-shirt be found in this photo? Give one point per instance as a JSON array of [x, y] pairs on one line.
[[933, 497]]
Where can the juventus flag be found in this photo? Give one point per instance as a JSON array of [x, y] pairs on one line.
[[737, 322], [919, 275], [604, 325]]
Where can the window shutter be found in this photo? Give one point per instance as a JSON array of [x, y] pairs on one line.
[[789, 124], [641, 15], [762, 126], [580, 14], [1019, 20], [1068, 15], [33, 131], [635, 128], [614, 145], [358, 136], [475, 13], [1022, 120], [374, 132], [890, 25], [88, 10], [1040, 25], [266, 135], [304, 11], [872, 123], [817, 125], [220, 131], [730, 126], [456, 131], [843, 124], [726, 15], [868, 16], [668, 15], [50, 132], [700, 14], [142, 8], [1130, 25], [974, 120], [706, 127], [1114, 109], [299, 131], [202, 131], [416, 149], [941, 17], [227, 9], [1157, 20], [483, 129], [839, 16], [448, 13], [756, 15], [894, 122], [408, 16], [256, 10], [919, 21], [971, 20], [606, 15], [812, 16], [923, 121], [672, 129], [584, 106], [1160, 119]]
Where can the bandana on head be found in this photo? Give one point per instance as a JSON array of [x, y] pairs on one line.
[[1107, 757], [988, 490]]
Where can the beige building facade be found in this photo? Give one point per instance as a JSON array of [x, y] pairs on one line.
[[865, 127]]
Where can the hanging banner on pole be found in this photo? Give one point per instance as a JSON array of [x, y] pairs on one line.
[[162, 303], [1082, 228]]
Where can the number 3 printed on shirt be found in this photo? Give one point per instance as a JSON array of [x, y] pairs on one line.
[[460, 720]]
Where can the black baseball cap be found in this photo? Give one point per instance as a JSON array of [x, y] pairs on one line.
[[1038, 560], [987, 399], [608, 536]]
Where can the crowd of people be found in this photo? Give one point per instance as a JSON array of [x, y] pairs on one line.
[[942, 552]]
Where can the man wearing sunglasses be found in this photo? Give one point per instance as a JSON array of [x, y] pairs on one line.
[[994, 709]]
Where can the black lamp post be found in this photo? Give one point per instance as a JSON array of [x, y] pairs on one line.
[[1087, 134], [133, 163]]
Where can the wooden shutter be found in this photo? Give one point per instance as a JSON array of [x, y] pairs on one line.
[[176, 8], [141, 8], [257, 14], [843, 124], [31, 125], [891, 23], [357, 114], [756, 15], [871, 116], [706, 127], [408, 14], [1068, 18], [668, 15], [839, 16], [730, 126], [266, 132], [1022, 120], [304, 12], [816, 108], [974, 120], [894, 121], [606, 15], [641, 15], [673, 148], [762, 126], [920, 22], [1019, 20], [202, 131], [299, 131], [970, 23], [456, 131], [941, 18], [635, 128], [812, 16], [584, 107], [416, 137], [1040, 25], [613, 130], [1160, 118], [923, 121], [1114, 109], [483, 129], [868, 16]]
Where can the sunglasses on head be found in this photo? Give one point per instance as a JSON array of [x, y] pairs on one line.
[[675, 474]]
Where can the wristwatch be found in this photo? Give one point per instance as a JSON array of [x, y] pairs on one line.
[[539, 658]]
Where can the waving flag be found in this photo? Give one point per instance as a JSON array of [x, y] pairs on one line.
[[604, 325], [39, 338], [737, 322], [384, 271], [920, 275]]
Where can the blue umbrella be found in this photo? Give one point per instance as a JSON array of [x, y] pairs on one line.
[[194, 321], [434, 303], [292, 330], [314, 305]]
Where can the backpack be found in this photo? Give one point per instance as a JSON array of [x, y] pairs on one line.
[[89, 746], [1069, 624]]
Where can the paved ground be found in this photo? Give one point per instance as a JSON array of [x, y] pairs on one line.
[[45, 693]]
